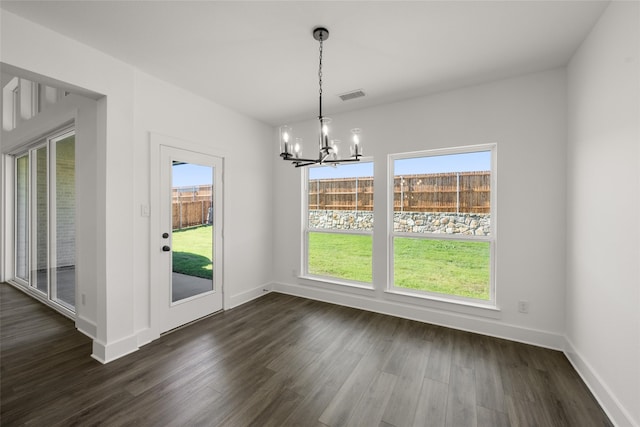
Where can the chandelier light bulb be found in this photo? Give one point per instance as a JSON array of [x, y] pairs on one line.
[[356, 149], [297, 148], [324, 134], [285, 137], [333, 153]]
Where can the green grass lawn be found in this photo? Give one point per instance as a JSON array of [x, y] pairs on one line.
[[442, 266], [345, 256], [192, 251]]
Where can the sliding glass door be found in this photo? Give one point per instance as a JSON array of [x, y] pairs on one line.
[[45, 219]]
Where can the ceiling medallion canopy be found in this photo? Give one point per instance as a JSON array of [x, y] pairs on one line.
[[291, 147]]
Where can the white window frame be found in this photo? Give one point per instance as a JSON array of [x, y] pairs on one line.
[[491, 238], [304, 267]]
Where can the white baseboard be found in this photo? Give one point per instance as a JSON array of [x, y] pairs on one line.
[[483, 326], [145, 336], [105, 353], [245, 297], [87, 327], [618, 415]]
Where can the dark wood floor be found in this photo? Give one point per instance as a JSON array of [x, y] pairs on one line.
[[284, 361]]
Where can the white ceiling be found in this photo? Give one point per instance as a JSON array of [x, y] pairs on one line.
[[260, 58]]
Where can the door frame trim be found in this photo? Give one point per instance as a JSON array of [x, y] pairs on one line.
[[156, 141]]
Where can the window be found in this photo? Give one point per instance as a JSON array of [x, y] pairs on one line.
[[442, 233], [339, 226]]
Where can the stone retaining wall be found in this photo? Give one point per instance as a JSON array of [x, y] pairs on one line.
[[414, 222]]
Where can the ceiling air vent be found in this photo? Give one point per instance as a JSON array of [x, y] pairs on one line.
[[351, 95]]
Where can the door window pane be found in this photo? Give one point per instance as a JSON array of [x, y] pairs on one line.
[[65, 221], [40, 221], [192, 237]]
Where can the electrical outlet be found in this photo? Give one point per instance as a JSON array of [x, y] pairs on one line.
[[523, 307], [84, 299]]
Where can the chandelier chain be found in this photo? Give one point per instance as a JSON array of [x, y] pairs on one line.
[[320, 69]]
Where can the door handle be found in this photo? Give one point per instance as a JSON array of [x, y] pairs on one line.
[[166, 248]]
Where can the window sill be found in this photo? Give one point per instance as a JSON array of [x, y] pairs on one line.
[[487, 309]]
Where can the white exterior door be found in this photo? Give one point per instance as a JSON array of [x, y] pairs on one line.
[[189, 253]]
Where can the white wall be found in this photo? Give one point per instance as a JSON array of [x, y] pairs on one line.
[[603, 186], [164, 109], [39, 50], [526, 117], [119, 291]]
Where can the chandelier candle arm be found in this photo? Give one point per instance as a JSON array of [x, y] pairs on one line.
[[327, 148]]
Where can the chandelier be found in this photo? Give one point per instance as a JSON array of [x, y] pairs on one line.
[[291, 148]]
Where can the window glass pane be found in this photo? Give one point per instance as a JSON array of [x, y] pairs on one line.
[[459, 268], [443, 194], [343, 256], [22, 217], [65, 221], [341, 198], [40, 212]]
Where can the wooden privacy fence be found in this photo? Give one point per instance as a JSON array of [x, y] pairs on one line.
[[467, 192], [341, 194], [192, 206]]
